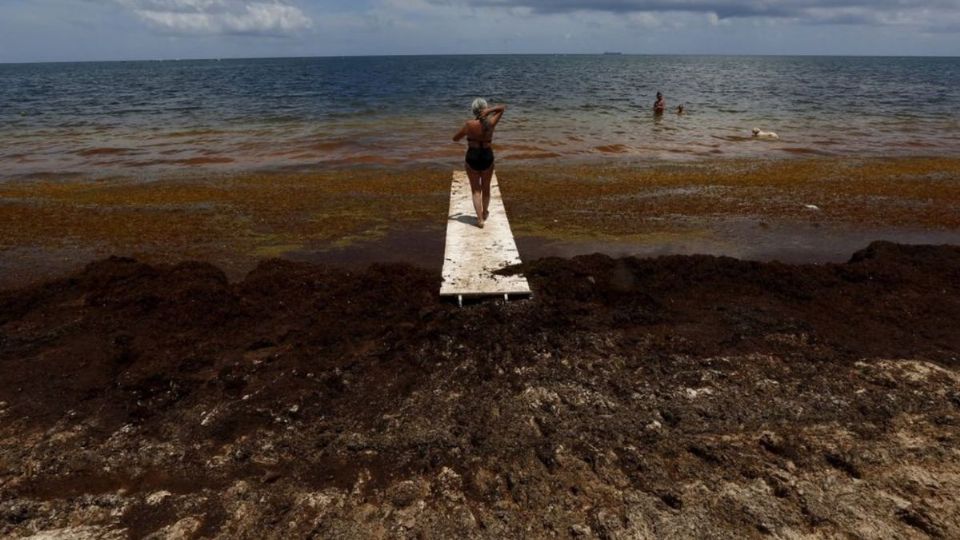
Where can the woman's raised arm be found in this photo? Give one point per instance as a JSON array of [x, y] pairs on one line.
[[496, 110]]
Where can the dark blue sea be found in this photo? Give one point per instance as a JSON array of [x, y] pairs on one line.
[[114, 118]]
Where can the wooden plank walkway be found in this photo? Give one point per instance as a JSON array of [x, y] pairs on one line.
[[472, 254]]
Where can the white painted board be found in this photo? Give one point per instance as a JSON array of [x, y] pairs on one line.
[[472, 254]]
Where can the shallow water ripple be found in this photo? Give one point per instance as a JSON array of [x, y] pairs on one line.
[[119, 117]]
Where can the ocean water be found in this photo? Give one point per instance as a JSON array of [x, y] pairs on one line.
[[118, 118]]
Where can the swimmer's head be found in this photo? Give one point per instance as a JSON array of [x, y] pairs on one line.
[[659, 95], [478, 106]]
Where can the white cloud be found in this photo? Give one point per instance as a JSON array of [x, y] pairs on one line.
[[221, 16], [409, 5], [916, 13]]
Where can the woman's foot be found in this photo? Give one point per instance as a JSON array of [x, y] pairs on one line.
[[486, 214], [480, 223]]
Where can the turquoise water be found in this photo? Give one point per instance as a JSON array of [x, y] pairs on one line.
[[146, 117]]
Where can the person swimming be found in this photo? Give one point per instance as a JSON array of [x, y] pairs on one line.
[[479, 159], [660, 105]]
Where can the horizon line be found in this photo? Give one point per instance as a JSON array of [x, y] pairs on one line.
[[606, 53]]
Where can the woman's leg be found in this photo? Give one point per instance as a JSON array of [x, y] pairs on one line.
[[486, 178], [476, 190]]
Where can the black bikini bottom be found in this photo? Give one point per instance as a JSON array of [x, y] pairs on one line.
[[479, 159]]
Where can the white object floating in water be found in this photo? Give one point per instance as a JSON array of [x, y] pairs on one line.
[[760, 134], [811, 207]]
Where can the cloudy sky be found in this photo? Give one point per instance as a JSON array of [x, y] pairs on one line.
[[54, 30]]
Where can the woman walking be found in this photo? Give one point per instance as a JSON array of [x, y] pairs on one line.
[[479, 158]]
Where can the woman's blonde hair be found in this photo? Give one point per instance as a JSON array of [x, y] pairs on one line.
[[479, 105]]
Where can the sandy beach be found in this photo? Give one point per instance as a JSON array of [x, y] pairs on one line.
[[683, 396], [265, 355]]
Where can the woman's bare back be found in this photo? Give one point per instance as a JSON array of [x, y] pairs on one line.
[[476, 132]]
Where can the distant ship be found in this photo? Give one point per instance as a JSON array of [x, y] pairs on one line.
[[610, 53]]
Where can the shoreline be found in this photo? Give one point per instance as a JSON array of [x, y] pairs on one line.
[[520, 155], [356, 216]]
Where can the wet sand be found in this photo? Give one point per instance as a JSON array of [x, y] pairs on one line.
[[749, 209]]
